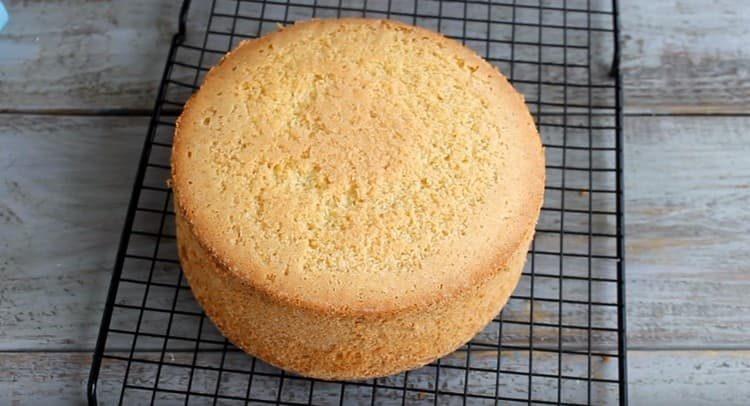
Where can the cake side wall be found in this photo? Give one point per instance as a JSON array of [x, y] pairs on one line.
[[334, 346]]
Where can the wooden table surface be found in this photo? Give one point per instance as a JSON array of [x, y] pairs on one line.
[[77, 82]]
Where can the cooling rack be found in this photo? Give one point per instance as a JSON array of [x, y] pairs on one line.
[[561, 337]]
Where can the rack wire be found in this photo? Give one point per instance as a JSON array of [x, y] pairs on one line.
[[561, 337]]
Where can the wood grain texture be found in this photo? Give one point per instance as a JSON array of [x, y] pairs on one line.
[[61, 55], [67, 179], [687, 185], [63, 192], [678, 56], [66, 183], [666, 378], [686, 56]]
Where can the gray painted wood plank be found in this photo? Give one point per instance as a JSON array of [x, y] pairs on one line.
[[687, 186], [60, 55], [655, 378], [67, 180], [679, 56], [686, 56], [64, 188]]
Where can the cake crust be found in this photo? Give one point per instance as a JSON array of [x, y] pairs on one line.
[[336, 346], [354, 197], [244, 167]]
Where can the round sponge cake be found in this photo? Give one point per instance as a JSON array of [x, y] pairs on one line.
[[354, 197]]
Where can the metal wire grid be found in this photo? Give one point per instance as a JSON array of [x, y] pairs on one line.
[[561, 337]]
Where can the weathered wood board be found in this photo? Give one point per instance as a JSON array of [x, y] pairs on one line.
[[667, 378], [678, 56], [67, 180], [63, 192], [687, 187], [683, 56], [75, 55]]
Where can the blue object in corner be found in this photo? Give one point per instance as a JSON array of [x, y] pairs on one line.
[[3, 16]]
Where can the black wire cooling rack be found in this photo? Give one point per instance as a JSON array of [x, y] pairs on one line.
[[561, 337]]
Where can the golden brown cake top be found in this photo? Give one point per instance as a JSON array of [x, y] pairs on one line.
[[358, 165]]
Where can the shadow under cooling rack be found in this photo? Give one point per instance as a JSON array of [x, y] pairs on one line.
[[561, 337]]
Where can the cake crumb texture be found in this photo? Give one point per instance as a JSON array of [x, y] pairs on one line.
[[358, 165], [340, 346]]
